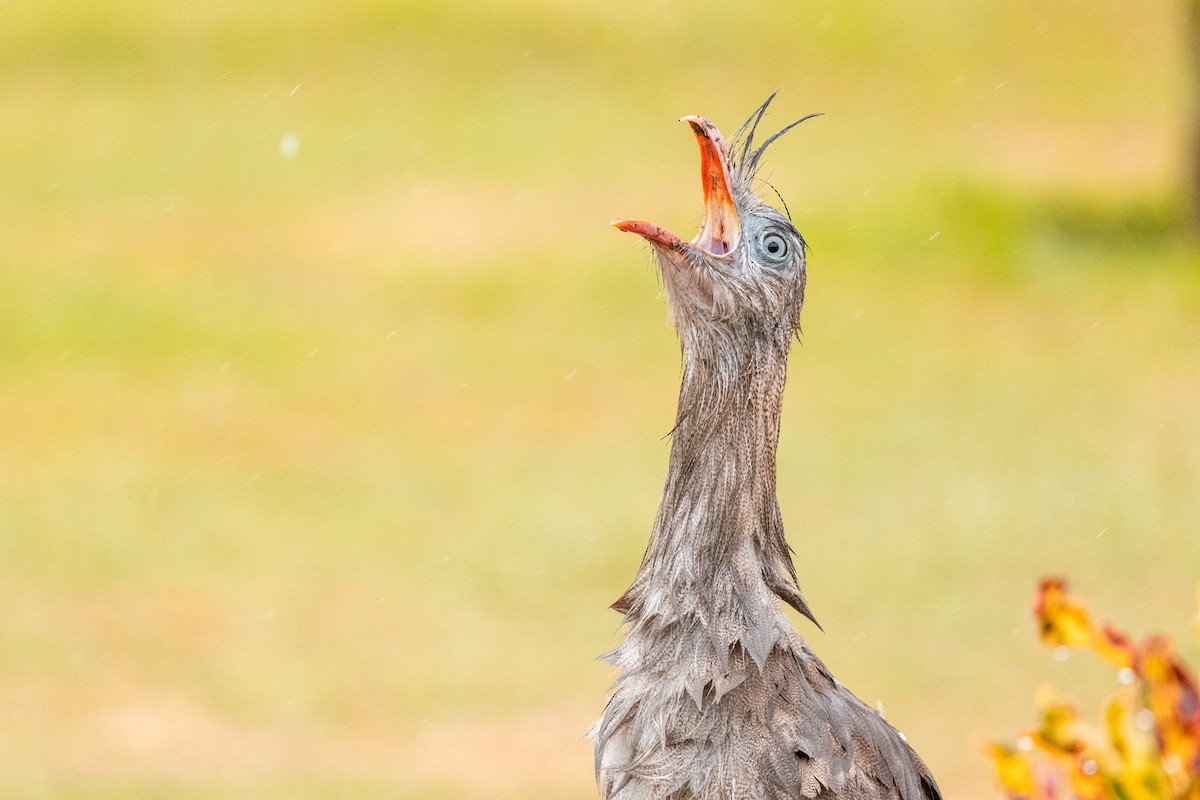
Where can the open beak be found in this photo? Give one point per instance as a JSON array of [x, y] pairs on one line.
[[721, 229], [719, 233]]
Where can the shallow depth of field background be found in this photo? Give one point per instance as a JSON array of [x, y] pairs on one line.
[[333, 413]]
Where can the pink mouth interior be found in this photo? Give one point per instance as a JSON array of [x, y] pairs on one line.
[[719, 233]]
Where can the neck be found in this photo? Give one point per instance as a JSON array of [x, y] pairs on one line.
[[720, 488], [718, 538]]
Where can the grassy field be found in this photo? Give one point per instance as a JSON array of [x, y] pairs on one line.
[[319, 466]]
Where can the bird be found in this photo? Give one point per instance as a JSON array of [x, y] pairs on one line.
[[718, 696]]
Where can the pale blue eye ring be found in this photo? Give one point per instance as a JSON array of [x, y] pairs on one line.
[[774, 247]]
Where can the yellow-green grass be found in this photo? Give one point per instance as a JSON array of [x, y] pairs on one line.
[[317, 474]]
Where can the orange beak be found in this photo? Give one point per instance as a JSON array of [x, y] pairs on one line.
[[721, 228]]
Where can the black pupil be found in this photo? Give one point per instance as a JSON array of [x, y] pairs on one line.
[[773, 246]]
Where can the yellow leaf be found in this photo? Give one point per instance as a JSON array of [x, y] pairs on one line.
[[1087, 781], [1174, 698], [1114, 646], [1012, 769], [1063, 619]]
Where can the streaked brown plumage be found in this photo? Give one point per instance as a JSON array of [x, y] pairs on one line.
[[718, 696]]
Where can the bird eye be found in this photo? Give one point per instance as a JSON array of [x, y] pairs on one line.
[[774, 247]]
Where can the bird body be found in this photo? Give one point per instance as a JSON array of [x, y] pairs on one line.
[[718, 697]]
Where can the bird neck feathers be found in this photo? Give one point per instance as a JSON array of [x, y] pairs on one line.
[[719, 535]]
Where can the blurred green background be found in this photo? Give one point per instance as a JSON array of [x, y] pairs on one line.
[[334, 413]]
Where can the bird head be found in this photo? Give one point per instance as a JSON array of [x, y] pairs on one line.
[[745, 269]]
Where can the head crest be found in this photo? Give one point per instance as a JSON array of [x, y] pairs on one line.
[[744, 155]]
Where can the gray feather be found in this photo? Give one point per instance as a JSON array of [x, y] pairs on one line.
[[718, 697]]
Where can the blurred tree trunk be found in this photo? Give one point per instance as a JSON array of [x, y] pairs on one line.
[[1193, 189]]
